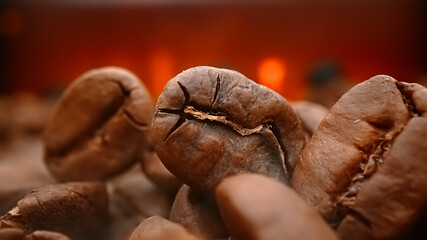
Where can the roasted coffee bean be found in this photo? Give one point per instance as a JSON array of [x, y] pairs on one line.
[[46, 235], [198, 213], [77, 209], [19, 234], [256, 207], [158, 228], [311, 114], [364, 168], [211, 123], [99, 127]]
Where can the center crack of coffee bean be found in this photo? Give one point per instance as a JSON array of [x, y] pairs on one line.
[[367, 167], [190, 110], [407, 99], [372, 161], [98, 128]]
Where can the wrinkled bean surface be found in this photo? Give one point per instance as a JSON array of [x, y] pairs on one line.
[[211, 123], [364, 168]]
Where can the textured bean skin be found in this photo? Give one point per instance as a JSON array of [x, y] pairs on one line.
[[364, 168], [211, 123], [78, 209], [100, 122], [19, 234]]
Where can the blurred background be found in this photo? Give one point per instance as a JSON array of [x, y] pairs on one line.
[[303, 49], [306, 50]]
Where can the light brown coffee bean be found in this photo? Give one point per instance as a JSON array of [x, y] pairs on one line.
[[198, 213], [46, 235], [364, 167], [256, 207], [158, 228]]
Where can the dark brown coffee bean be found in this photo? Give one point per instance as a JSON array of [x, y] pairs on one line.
[[77, 209], [211, 123], [99, 127], [311, 114], [198, 213], [364, 168], [158, 228], [256, 207]]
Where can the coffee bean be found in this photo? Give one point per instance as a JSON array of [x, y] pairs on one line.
[[46, 235], [19, 234], [256, 207], [364, 169], [158, 228], [99, 127], [198, 213], [211, 123], [78, 209]]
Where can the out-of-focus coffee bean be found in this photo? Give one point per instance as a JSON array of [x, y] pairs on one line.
[[46, 235], [19, 234], [78, 209], [198, 213], [100, 122], [158, 228], [256, 207]]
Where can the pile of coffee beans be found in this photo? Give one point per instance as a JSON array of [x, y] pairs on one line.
[[221, 157]]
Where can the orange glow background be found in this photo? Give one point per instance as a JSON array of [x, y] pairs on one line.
[[47, 46]]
